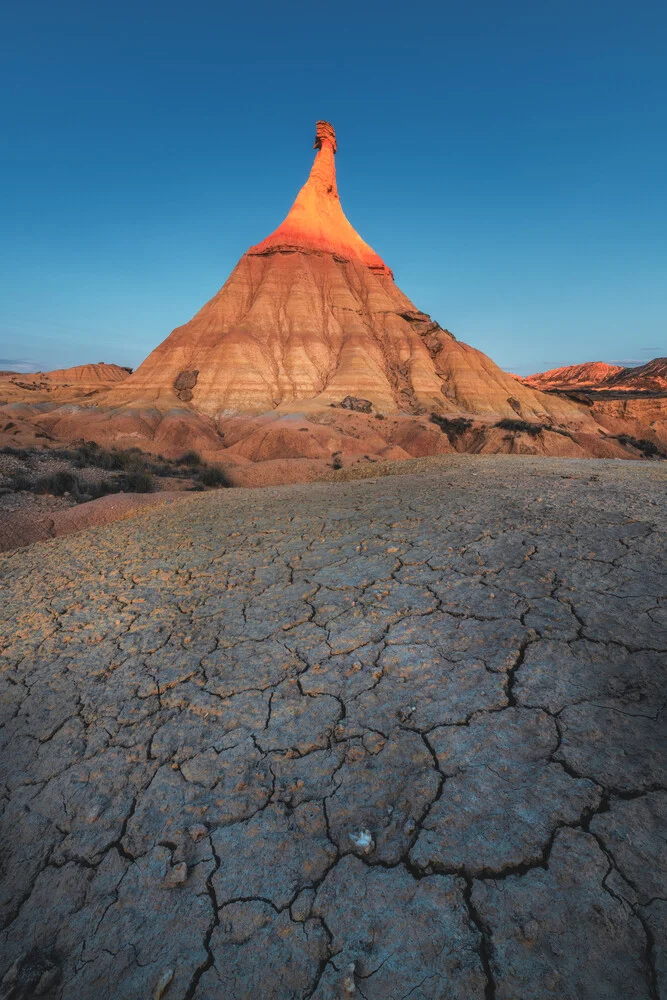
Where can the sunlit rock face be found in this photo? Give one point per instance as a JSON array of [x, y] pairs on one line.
[[316, 220], [311, 315], [94, 376], [590, 374], [651, 377]]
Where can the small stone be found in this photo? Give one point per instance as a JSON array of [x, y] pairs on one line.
[[409, 826], [162, 983], [363, 841], [197, 832], [530, 930], [373, 743], [348, 983], [176, 875], [300, 909]]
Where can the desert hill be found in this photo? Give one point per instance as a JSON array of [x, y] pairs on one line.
[[90, 376], [651, 377], [311, 356], [77, 381], [311, 315], [591, 373]]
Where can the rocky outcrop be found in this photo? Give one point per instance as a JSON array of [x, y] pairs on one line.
[[354, 403]]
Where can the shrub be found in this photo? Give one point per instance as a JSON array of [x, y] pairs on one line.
[[59, 483], [16, 452], [212, 475], [520, 426], [189, 458], [111, 460], [163, 468], [647, 448], [97, 488], [21, 481], [139, 481], [453, 427]]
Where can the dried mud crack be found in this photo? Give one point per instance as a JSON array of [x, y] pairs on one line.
[[391, 738]]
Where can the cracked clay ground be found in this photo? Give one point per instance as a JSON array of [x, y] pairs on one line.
[[383, 739]]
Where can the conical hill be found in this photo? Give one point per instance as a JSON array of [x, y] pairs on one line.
[[312, 314]]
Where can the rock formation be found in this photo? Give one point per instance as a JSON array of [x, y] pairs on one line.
[[311, 315]]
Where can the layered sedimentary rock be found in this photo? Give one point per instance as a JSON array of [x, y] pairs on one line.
[[311, 315]]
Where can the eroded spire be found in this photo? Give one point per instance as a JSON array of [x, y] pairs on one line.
[[325, 132], [316, 221]]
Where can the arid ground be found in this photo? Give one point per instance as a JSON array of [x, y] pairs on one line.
[[388, 738]]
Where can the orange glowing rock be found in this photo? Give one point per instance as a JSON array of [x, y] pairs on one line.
[[316, 220], [308, 317]]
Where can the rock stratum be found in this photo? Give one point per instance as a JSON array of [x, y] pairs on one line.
[[301, 354], [382, 739]]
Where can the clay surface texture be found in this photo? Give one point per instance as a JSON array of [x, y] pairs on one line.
[[389, 738]]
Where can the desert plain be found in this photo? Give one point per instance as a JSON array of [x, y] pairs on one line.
[[395, 737]]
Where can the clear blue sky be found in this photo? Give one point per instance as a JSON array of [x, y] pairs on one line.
[[508, 160]]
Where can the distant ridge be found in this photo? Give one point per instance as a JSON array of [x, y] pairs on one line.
[[651, 377]]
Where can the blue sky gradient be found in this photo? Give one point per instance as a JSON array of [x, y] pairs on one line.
[[507, 160]]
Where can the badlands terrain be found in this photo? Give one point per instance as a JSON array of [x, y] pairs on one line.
[[399, 737], [311, 356], [398, 732]]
